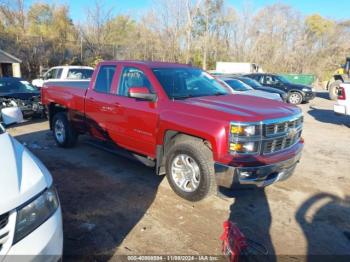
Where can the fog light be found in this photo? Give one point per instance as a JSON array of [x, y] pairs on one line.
[[246, 174], [244, 147]]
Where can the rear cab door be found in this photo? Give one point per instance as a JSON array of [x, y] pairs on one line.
[[100, 106]]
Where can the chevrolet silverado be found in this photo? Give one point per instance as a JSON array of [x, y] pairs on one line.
[[183, 122]]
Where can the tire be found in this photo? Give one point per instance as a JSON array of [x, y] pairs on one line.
[[295, 98], [333, 90], [200, 159], [64, 134]]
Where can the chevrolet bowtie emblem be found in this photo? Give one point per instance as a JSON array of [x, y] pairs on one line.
[[292, 132]]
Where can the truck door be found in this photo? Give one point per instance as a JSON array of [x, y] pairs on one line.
[[138, 120], [100, 108]]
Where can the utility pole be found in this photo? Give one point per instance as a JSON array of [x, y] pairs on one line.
[[81, 49]]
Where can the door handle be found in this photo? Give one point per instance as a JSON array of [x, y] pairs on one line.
[[116, 104]]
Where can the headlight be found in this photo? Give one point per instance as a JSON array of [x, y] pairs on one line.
[[244, 139], [240, 130], [244, 147], [35, 213]]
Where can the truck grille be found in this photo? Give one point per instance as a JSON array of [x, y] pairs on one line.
[[283, 127], [3, 233], [281, 135], [279, 144]]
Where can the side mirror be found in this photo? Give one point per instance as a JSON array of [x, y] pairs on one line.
[[142, 93]]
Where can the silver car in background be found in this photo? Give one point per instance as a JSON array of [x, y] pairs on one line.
[[239, 87]]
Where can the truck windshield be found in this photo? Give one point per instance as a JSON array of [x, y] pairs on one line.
[[181, 83], [79, 73]]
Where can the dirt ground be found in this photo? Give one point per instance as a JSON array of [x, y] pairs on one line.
[[114, 206]]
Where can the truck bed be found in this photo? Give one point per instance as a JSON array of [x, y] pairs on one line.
[[68, 93]]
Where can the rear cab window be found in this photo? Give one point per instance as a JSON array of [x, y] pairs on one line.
[[103, 83]]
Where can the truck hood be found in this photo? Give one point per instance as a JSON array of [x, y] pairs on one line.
[[243, 108], [262, 94], [22, 177]]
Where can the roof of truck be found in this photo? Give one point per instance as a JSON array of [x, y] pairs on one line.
[[151, 64]]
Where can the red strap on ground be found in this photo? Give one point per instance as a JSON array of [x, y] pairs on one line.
[[233, 241]]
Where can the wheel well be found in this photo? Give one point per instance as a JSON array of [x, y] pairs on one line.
[[338, 77], [170, 138], [296, 91], [53, 110]]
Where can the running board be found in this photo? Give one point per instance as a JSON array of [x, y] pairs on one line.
[[116, 150]]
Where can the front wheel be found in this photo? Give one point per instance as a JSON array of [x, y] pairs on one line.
[[334, 89], [295, 98], [190, 170]]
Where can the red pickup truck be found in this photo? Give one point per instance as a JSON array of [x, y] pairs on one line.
[[181, 120]]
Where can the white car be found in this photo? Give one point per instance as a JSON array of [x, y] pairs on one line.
[[64, 73], [343, 104], [239, 87], [30, 212]]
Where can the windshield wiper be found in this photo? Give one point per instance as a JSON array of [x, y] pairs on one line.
[[220, 94], [182, 97]]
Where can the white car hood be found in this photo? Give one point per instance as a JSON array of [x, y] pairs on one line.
[[22, 175], [261, 94]]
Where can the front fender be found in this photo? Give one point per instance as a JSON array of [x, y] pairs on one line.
[[212, 130]]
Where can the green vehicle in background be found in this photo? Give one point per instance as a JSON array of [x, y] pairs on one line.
[[301, 79]]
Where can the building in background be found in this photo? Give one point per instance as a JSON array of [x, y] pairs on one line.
[[9, 65]]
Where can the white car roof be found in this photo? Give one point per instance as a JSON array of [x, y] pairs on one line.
[[72, 67]]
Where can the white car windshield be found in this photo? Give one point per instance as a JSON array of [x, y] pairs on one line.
[[237, 85]]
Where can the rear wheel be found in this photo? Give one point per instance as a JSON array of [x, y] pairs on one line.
[[334, 89], [64, 133], [295, 98], [190, 170]]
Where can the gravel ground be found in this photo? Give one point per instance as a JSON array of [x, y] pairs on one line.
[[114, 206]]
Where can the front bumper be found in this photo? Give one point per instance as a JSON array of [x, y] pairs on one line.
[[309, 96], [43, 244], [260, 176], [340, 109]]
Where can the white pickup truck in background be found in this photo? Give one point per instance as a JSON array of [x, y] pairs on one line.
[[343, 104], [64, 73]]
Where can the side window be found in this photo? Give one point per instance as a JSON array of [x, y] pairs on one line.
[[260, 79], [133, 77], [104, 78], [59, 73], [51, 74], [269, 80]]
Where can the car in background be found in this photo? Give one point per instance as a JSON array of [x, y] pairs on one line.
[[64, 73], [343, 104], [30, 212], [257, 86], [297, 93], [17, 92], [239, 87]]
